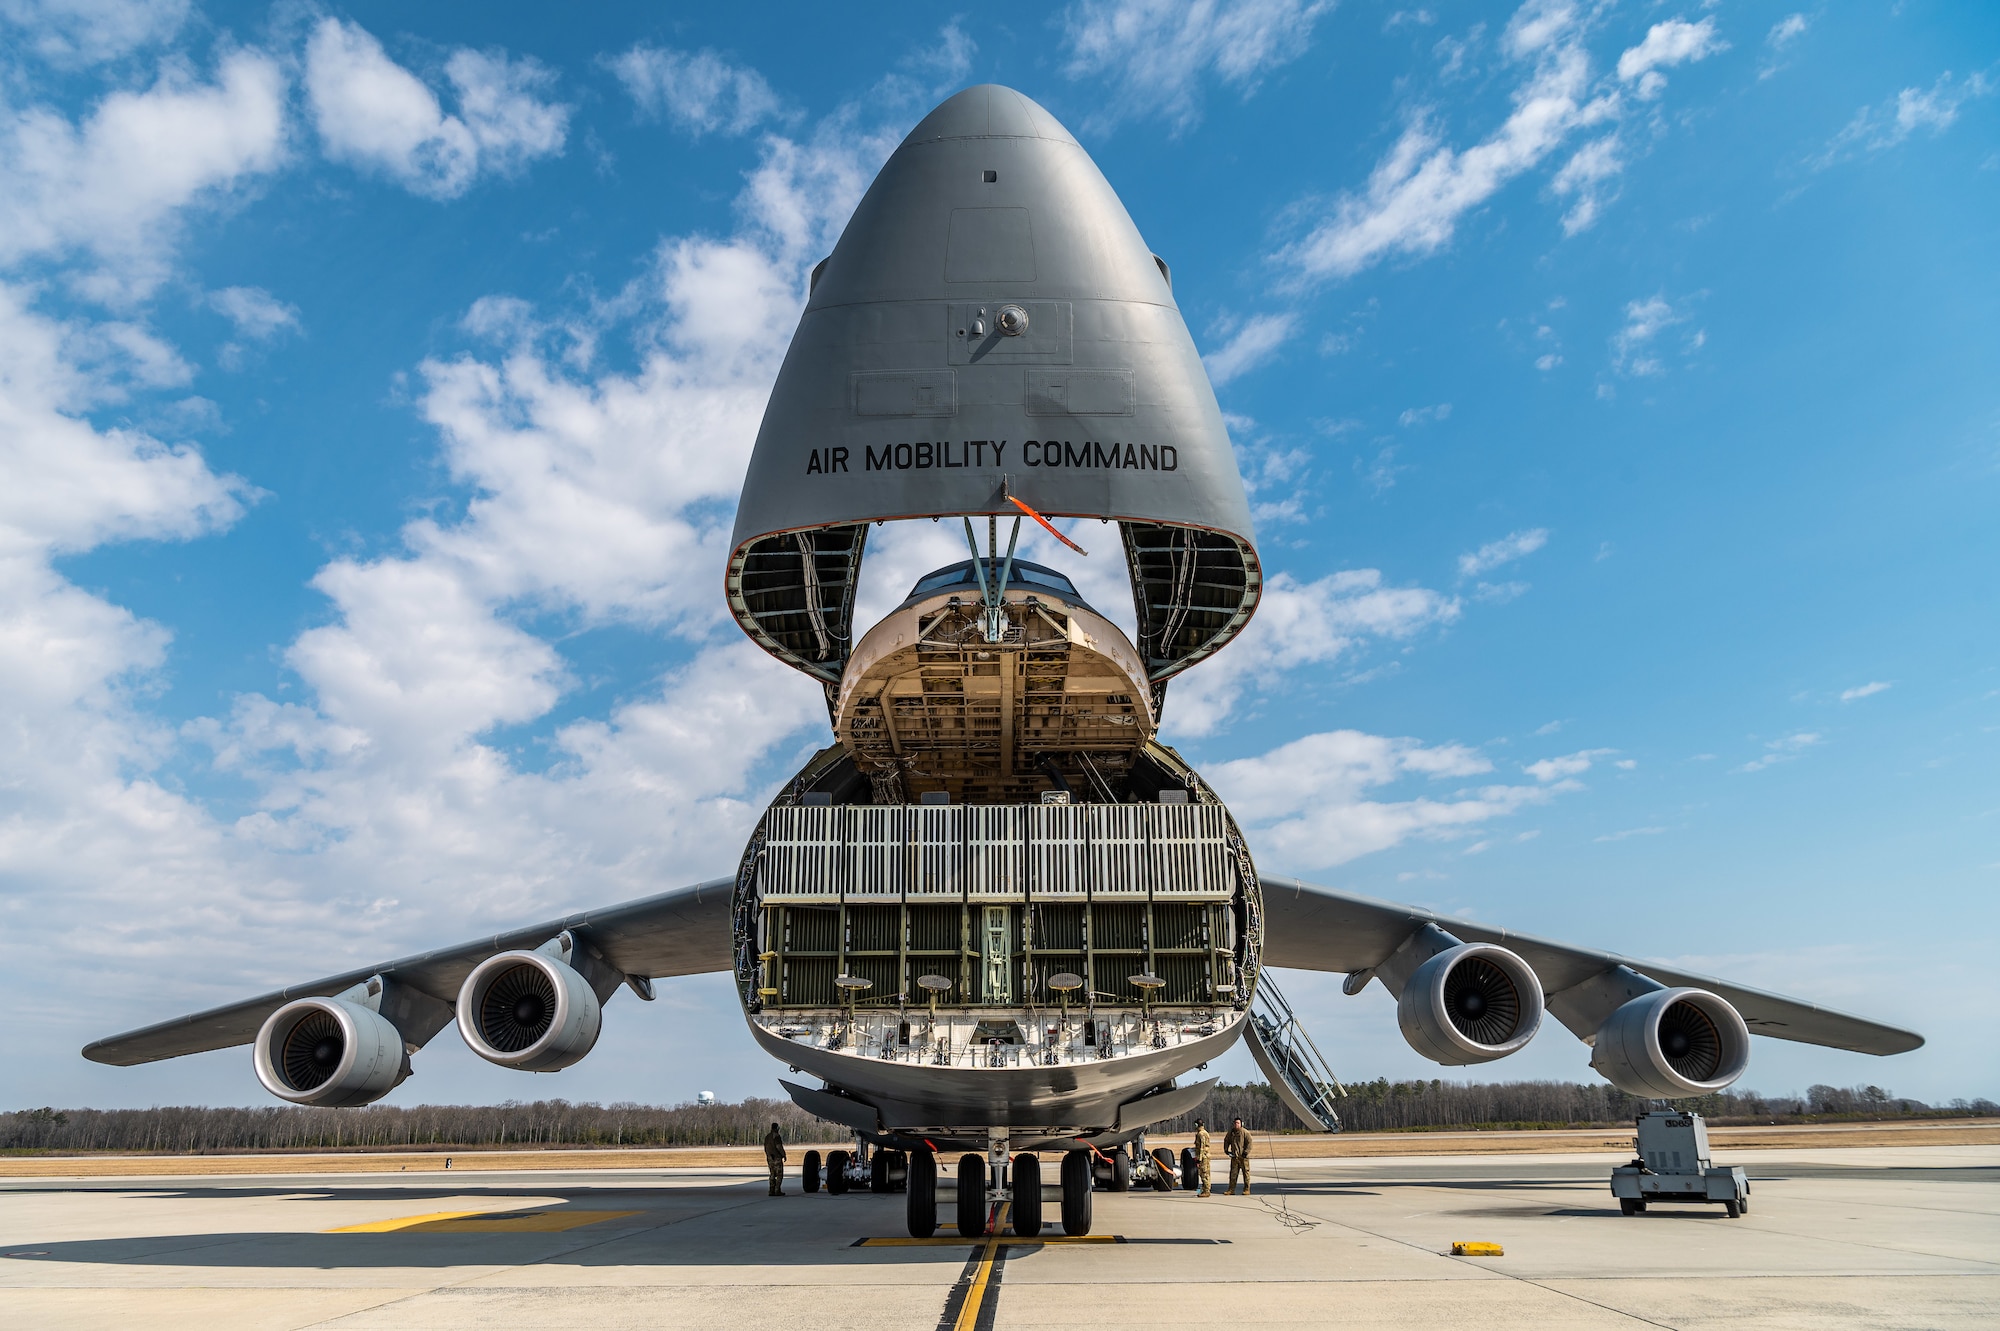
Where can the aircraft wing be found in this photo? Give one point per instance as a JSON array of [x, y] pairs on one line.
[[682, 932], [1309, 927]]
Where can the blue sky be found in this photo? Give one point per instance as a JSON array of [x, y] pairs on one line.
[[1615, 384]]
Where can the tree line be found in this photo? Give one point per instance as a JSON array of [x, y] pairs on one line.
[[1377, 1106]]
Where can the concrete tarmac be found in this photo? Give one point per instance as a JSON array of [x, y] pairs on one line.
[[1877, 1238]]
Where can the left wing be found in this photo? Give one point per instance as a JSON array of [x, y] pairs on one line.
[[1309, 927], [682, 932]]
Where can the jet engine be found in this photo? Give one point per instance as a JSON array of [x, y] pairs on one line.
[[529, 1011], [330, 1052], [1672, 1043], [1470, 1004]]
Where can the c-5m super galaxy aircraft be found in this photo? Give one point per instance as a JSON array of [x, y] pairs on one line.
[[995, 915]]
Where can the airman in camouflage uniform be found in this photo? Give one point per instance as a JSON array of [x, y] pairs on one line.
[[774, 1159], [1201, 1151], [1236, 1144]]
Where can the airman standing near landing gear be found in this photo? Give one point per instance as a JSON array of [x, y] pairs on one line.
[[1201, 1154], [774, 1159], [1236, 1144]]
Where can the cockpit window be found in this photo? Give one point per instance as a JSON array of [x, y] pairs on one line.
[[1022, 575]]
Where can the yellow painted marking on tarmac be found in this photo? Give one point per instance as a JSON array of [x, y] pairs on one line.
[[486, 1222], [1462, 1248], [968, 1313], [386, 1226]]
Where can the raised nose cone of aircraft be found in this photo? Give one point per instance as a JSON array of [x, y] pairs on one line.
[[991, 327]]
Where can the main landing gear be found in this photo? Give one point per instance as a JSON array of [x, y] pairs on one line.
[[1020, 1183]]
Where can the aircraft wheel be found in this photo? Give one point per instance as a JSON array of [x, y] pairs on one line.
[[922, 1202], [836, 1172], [1732, 1209], [878, 1172], [1121, 1170], [809, 1172], [971, 1196], [1027, 1210], [1190, 1171], [1163, 1170], [1076, 1191]]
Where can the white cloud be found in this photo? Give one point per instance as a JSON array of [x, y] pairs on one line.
[[1254, 342], [1674, 42], [1630, 832], [1310, 804], [68, 33], [1301, 624], [1875, 129], [1779, 40], [1635, 349], [1783, 750], [112, 188], [1554, 771], [1150, 56], [256, 313], [700, 91], [1430, 415], [1867, 690], [1587, 175], [373, 113], [1417, 194], [1513, 546]]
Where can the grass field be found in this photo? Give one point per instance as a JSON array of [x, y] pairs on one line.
[[1611, 1142]]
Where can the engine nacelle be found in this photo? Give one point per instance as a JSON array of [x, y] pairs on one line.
[[1672, 1043], [1470, 1004], [528, 1011], [329, 1052]]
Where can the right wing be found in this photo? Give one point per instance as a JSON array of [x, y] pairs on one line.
[[682, 932]]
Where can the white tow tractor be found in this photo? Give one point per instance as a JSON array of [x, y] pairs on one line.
[[1673, 1166]]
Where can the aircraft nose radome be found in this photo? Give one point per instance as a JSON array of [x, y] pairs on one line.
[[989, 111]]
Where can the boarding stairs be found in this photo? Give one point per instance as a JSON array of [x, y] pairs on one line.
[[1297, 1071]]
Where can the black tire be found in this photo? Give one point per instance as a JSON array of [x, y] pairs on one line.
[[899, 1171], [1164, 1174], [971, 1196], [1732, 1209], [1027, 1209], [809, 1172], [1076, 1191], [1628, 1206], [836, 1172], [1190, 1171], [921, 1206], [878, 1172], [1744, 1205], [1121, 1170]]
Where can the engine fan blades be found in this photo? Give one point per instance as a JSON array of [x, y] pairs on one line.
[[518, 1008], [313, 1049], [1692, 1045], [1482, 1002]]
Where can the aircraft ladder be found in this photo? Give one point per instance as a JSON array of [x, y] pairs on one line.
[[1296, 1069]]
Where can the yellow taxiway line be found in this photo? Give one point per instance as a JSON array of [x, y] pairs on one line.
[[484, 1222], [968, 1312]]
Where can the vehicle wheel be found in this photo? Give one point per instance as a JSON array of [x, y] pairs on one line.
[[1121, 1170], [1190, 1171], [922, 1204], [1628, 1206], [1163, 1170], [1732, 1209], [809, 1172], [1076, 1191], [836, 1172], [1027, 1209], [878, 1172], [971, 1196]]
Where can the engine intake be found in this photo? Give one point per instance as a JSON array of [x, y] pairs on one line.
[[528, 1011], [329, 1052], [1471, 1003], [1672, 1043]]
